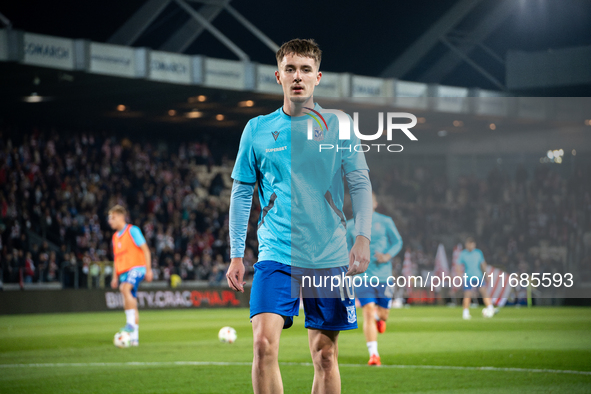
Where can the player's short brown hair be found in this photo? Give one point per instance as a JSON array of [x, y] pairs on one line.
[[301, 47], [470, 239], [118, 209]]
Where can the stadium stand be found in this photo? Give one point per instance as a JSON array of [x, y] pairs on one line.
[[55, 189], [525, 222]]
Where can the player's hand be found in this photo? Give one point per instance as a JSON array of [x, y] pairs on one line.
[[359, 256], [235, 274], [114, 282], [382, 257], [149, 276]]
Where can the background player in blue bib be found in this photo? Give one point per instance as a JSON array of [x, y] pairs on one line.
[[474, 267], [375, 300], [301, 225]]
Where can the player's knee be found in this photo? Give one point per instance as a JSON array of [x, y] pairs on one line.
[[263, 348], [125, 289], [368, 310], [325, 358]]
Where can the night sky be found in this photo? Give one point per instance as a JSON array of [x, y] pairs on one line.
[[358, 37]]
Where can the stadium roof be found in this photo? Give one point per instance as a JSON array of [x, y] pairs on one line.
[[79, 100], [366, 42]]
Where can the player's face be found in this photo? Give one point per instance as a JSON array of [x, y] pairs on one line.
[[115, 221], [470, 246], [298, 76]]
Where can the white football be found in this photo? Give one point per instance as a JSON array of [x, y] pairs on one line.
[[227, 335], [488, 312], [122, 339]]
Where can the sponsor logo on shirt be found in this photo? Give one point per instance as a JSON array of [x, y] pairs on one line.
[[268, 150]]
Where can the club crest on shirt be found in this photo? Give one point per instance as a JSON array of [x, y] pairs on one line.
[[318, 133], [351, 315], [275, 134]]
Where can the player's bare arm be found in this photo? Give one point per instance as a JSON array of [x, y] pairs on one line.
[[235, 274], [148, 257], [359, 256], [115, 280]]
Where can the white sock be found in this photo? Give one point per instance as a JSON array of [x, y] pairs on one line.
[[491, 307], [466, 311], [130, 316], [372, 347]]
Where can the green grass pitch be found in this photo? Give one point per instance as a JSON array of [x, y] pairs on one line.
[[425, 349]]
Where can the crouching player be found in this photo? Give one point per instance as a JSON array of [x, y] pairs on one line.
[[375, 300], [133, 264]]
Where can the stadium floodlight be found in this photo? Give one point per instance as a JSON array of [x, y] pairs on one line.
[[33, 98], [194, 114], [246, 103]]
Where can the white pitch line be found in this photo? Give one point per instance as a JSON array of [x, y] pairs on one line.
[[222, 363]]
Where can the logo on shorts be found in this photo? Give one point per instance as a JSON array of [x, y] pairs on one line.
[[351, 315], [275, 135]]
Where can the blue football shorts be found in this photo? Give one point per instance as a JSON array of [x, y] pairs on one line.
[[273, 292], [474, 282], [379, 295], [134, 276]]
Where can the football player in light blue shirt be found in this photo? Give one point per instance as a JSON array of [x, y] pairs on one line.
[[474, 267], [301, 225], [375, 300]]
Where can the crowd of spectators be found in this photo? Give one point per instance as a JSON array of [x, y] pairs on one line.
[[524, 221], [56, 189]]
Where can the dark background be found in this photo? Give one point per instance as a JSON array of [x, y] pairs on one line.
[[357, 37]]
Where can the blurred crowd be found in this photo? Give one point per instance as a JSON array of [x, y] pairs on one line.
[[523, 221], [56, 189]]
